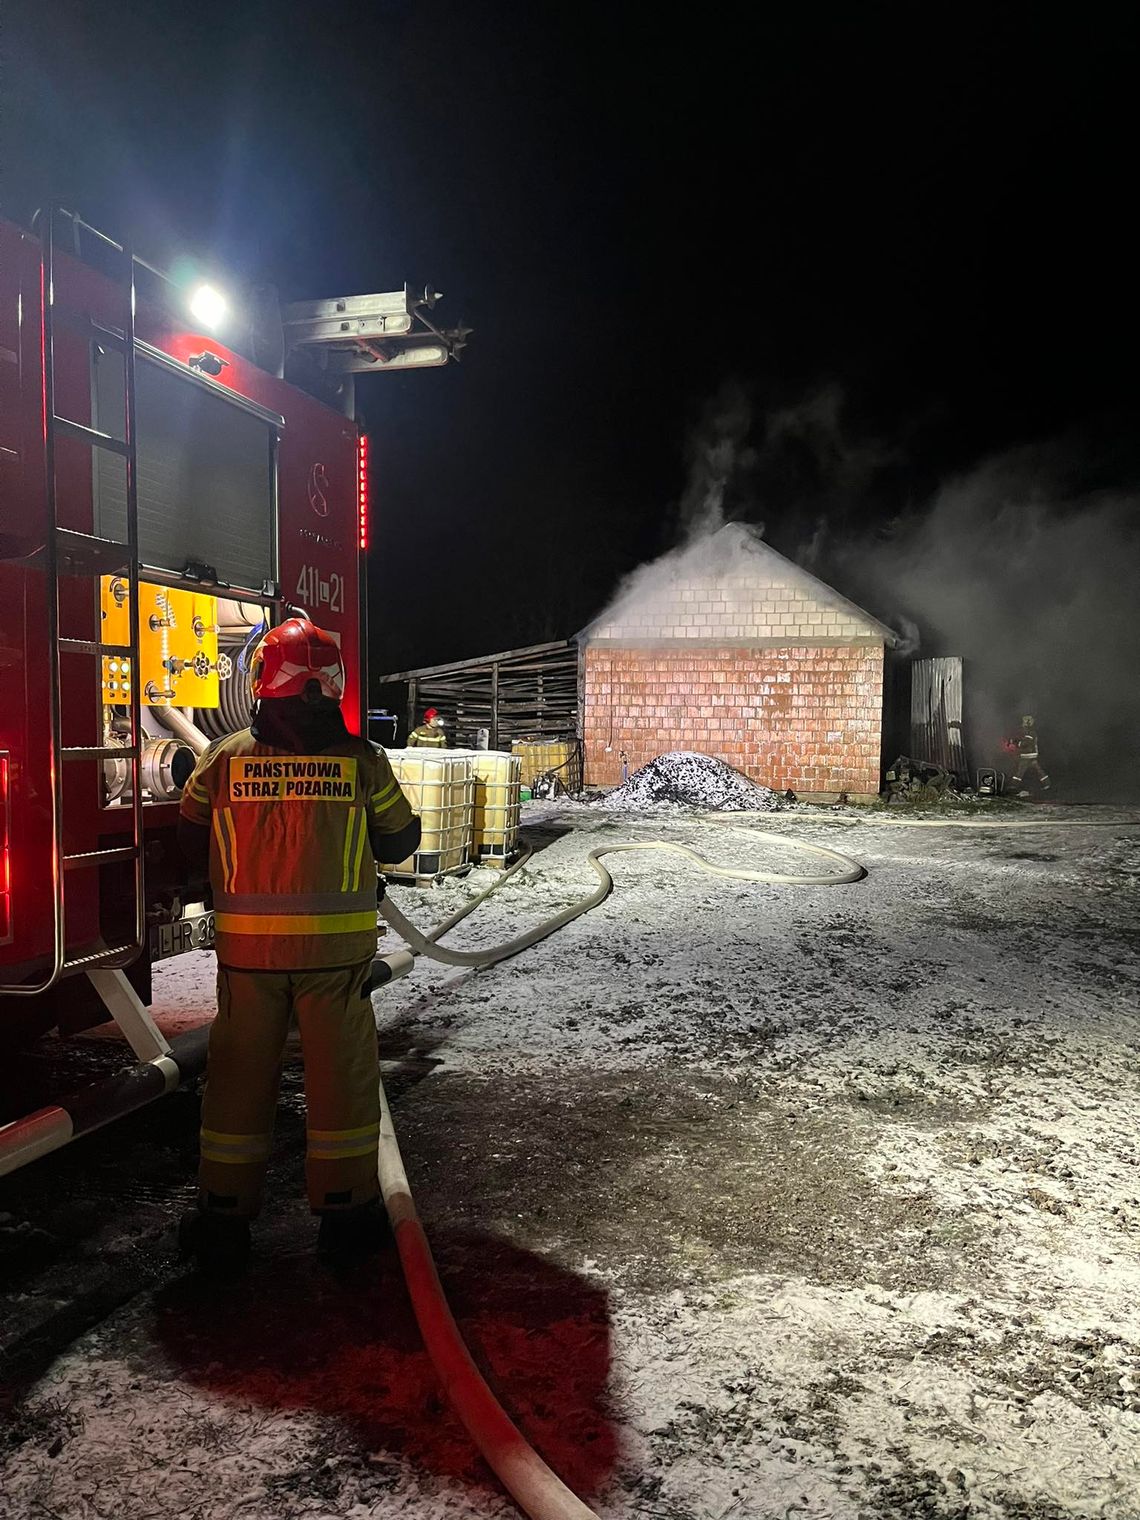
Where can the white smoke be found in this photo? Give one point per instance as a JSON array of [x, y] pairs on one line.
[[795, 459], [811, 452], [720, 460], [1032, 582]]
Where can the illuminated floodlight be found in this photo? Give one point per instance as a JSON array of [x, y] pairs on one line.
[[208, 306]]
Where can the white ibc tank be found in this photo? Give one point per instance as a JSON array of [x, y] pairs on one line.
[[440, 785], [495, 823]]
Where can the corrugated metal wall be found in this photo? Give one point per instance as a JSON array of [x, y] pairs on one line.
[[936, 713]]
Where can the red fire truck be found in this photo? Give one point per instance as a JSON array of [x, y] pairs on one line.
[[162, 499]]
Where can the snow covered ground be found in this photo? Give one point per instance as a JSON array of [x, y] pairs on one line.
[[754, 1201]]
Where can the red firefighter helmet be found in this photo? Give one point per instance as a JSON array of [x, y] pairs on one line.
[[292, 655], [431, 714]]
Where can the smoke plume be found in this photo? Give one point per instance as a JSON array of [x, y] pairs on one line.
[[719, 463], [1032, 583], [801, 463], [811, 459], [1016, 565]]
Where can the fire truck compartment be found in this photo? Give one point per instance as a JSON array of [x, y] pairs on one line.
[[206, 471], [178, 645]]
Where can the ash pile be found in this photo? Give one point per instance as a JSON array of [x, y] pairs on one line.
[[685, 779]]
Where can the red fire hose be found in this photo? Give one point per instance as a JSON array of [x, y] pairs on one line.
[[538, 1490], [526, 1477]]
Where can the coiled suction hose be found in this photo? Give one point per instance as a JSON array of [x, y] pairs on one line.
[[539, 1491]]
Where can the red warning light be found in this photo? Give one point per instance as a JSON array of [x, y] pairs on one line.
[[362, 490], [5, 858]]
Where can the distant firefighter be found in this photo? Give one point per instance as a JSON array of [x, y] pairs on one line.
[[1028, 762], [430, 734]]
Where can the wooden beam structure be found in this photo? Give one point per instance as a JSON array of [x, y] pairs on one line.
[[516, 694]]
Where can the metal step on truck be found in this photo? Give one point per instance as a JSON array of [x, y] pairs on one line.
[[163, 499]]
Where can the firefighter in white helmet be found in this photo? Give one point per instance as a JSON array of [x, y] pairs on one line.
[[1028, 758], [430, 734], [291, 815]]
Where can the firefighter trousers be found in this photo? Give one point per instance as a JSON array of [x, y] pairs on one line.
[[1027, 767], [333, 1011]]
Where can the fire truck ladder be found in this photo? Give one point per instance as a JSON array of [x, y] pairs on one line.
[[74, 554]]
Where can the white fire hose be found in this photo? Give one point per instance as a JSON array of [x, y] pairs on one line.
[[426, 944], [538, 1490], [897, 821]]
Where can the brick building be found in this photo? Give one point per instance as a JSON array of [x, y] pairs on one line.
[[729, 649]]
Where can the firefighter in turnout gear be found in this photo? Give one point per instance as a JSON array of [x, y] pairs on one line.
[[1028, 763], [430, 734], [291, 815]]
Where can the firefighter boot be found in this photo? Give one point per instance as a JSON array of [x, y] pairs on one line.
[[218, 1243], [347, 1234]]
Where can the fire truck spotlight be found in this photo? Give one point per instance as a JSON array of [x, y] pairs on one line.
[[208, 306]]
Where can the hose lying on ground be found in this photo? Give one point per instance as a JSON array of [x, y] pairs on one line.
[[526, 1477], [426, 944], [898, 820], [536, 1488]]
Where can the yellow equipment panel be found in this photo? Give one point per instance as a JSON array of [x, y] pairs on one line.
[[178, 645]]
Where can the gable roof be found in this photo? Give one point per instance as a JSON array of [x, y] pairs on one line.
[[731, 585], [890, 637]]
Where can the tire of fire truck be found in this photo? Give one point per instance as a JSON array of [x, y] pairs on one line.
[[71, 1006], [23, 1020]]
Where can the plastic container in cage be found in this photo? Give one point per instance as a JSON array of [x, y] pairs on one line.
[[440, 785], [495, 826], [562, 756]]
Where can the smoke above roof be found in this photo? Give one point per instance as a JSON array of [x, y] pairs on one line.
[[718, 528], [1019, 565], [1032, 581]]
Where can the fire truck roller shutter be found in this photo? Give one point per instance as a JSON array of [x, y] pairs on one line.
[[205, 473]]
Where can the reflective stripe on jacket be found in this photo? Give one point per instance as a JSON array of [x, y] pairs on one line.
[[426, 737], [291, 865]]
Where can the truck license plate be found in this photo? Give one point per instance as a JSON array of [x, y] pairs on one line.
[[194, 932]]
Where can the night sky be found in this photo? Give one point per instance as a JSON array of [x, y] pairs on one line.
[[923, 213]]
